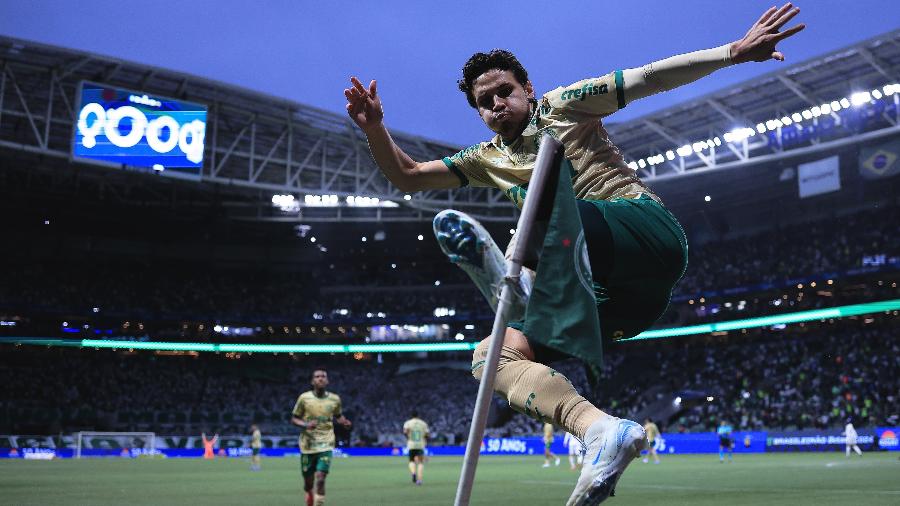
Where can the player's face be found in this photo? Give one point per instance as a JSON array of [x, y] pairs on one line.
[[502, 102], [319, 379]]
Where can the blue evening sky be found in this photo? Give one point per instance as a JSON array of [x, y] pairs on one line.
[[305, 51]]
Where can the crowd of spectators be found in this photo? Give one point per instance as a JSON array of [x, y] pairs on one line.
[[734, 278], [801, 377]]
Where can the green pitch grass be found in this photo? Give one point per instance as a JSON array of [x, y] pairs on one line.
[[791, 479]]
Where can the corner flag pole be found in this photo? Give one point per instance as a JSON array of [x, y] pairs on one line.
[[544, 165]]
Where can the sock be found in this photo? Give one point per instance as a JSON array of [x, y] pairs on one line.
[[721, 454], [309, 498], [538, 391], [319, 500]]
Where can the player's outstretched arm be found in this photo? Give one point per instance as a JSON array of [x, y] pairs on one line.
[[365, 109], [344, 421], [758, 44]]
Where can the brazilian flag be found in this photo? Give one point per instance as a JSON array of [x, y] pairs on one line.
[[562, 309]]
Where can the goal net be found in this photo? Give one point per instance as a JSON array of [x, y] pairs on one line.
[[142, 443]]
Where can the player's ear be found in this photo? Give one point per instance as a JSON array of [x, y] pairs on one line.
[[529, 89]]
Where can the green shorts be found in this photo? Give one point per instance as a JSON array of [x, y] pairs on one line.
[[311, 463], [547, 445], [254, 451], [416, 453], [638, 252]]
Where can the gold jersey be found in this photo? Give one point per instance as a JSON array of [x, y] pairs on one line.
[[652, 431], [323, 410], [548, 432], [416, 433], [256, 439], [572, 115]]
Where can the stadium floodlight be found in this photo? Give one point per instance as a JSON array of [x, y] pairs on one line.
[[739, 134], [859, 98]]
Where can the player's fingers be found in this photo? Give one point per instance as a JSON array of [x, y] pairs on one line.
[[787, 17], [372, 90], [778, 14], [787, 33], [358, 86], [778, 55], [348, 95], [765, 15]]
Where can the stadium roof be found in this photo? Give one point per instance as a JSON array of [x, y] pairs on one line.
[[259, 145]]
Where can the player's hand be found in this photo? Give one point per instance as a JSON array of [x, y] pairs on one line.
[[759, 43], [312, 424], [345, 422], [364, 105]]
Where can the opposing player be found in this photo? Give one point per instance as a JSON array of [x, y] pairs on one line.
[[851, 438], [637, 249], [726, 442], [208, 446], [315, 412], [652, 432], [416, 431], [576, 451], [255, 448]]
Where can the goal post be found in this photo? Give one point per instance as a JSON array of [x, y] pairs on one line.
[[125, 438]]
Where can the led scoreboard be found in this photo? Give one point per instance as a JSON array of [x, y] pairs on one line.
[[138, 130]]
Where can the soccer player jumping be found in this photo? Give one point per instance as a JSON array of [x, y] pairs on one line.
[[637, 249]]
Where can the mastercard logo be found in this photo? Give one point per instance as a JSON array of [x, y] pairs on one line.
[[888, 439]]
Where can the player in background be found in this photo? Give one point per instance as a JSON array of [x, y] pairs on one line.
[[416, 431], [315, 412], [726, 443], [851, 435], [652, 434], [548, 440], [576, 451], [208, 444], [255, 446], [626, 220]]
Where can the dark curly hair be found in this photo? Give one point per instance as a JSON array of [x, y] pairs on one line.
[[479, 63]]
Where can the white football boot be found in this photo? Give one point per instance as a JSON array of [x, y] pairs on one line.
[[467, 244], [612, 443]]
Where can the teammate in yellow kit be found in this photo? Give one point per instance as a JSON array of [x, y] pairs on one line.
[[314, 413], [255, 446], [652, 434], [416, 431], [548, 440]]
